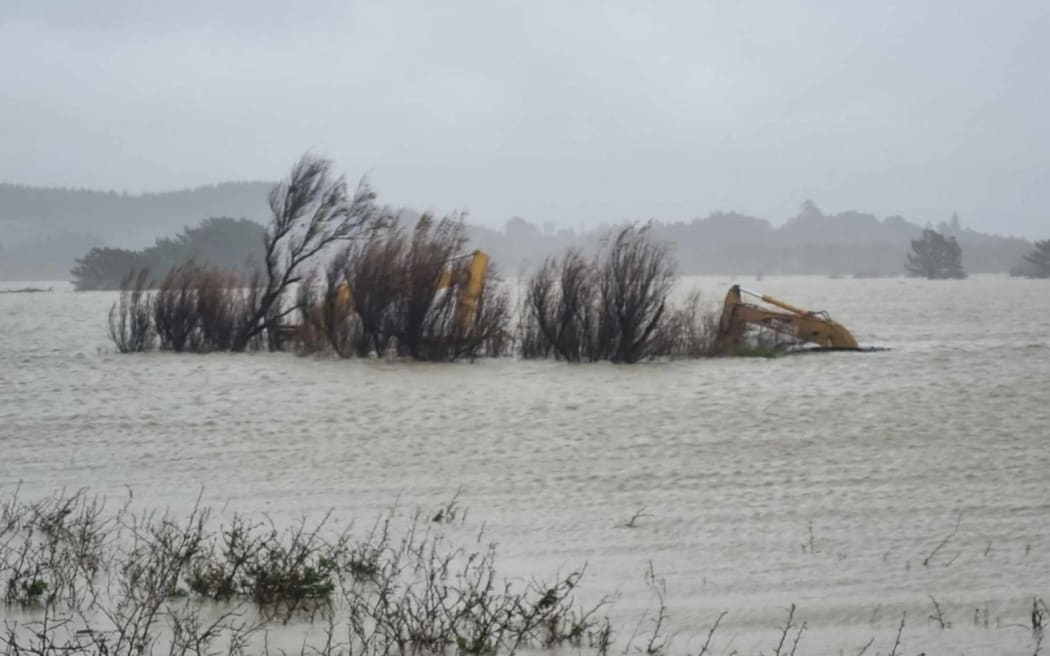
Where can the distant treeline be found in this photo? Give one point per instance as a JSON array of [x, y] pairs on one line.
[[845, 244], [43, 230], [128, 220], [218, 243]]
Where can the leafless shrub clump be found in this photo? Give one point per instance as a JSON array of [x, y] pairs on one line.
[[51, 550], [131, 583], [689, 331], [433, 598], [561, 312], [130, 325], [198, 309], [370, 269], [635, 281], [434, 316], [93, 581], [613, 307], [410, 295], [326, 319], [387, 292], [283, 572], [311, 211]]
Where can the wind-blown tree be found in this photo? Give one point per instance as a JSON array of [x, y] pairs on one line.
[[420, 312], [935, 256], [561, 310], [372, 272], [610, 308], [310, 211], [635, 282], [1039, 260], [414, 294]]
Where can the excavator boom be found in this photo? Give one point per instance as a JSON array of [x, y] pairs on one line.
[[471, 281], [813, 327]]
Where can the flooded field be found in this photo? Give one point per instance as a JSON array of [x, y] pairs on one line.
[[821, 480]]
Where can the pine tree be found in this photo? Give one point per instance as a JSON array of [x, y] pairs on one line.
[[935, 256], [1039, 260]]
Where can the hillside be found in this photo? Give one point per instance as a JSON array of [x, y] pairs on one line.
[[848, 243], [42, 232]]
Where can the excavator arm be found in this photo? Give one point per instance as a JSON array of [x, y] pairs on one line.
[[471, 287], [813, 327], [471, 290]]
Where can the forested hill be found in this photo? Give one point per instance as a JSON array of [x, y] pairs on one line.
[[43, 231], [136, 220], [812, 242]]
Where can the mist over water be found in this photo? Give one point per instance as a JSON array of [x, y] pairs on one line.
[[823, 480]]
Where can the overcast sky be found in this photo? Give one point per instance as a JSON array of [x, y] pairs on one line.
[[570, 112]]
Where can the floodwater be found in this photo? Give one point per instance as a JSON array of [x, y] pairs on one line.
[[822, 480]]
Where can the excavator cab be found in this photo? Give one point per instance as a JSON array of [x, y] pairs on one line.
[[812, 327]]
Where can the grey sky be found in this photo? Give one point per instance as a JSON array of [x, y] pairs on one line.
[[570, 112]]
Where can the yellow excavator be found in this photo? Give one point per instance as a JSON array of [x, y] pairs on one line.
[[813, 327], [470, 289], [471, 284]]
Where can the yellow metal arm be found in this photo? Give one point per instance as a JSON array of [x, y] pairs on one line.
[[816, 328]]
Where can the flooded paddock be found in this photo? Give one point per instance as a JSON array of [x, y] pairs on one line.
[[820, 480]]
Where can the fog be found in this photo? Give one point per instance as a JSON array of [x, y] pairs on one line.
[[576, 115]]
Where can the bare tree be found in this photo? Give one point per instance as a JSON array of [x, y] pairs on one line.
[[175, 307], [327, 318], [635, 281], [688, 331], [607, 308], [310, 211], [419, 311], [130, 325], [561, 310], [371, 272], [219, 308]]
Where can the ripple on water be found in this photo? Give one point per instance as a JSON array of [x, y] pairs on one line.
[[822, 480]]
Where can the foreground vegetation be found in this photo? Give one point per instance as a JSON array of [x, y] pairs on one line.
[[98, 582], [77, 577]]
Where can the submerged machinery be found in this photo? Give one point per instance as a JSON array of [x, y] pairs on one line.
[[813, 327], [466, 274]]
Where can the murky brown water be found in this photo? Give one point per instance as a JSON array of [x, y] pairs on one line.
[[733, 460]]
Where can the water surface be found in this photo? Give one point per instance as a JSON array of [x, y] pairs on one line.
[[821, 480]]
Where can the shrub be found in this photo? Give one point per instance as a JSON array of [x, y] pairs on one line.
[[198, 309], [175, 307], [689, 331], [130, 325], [311, 210], [561, 310], [635, 281], [608, 308]]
